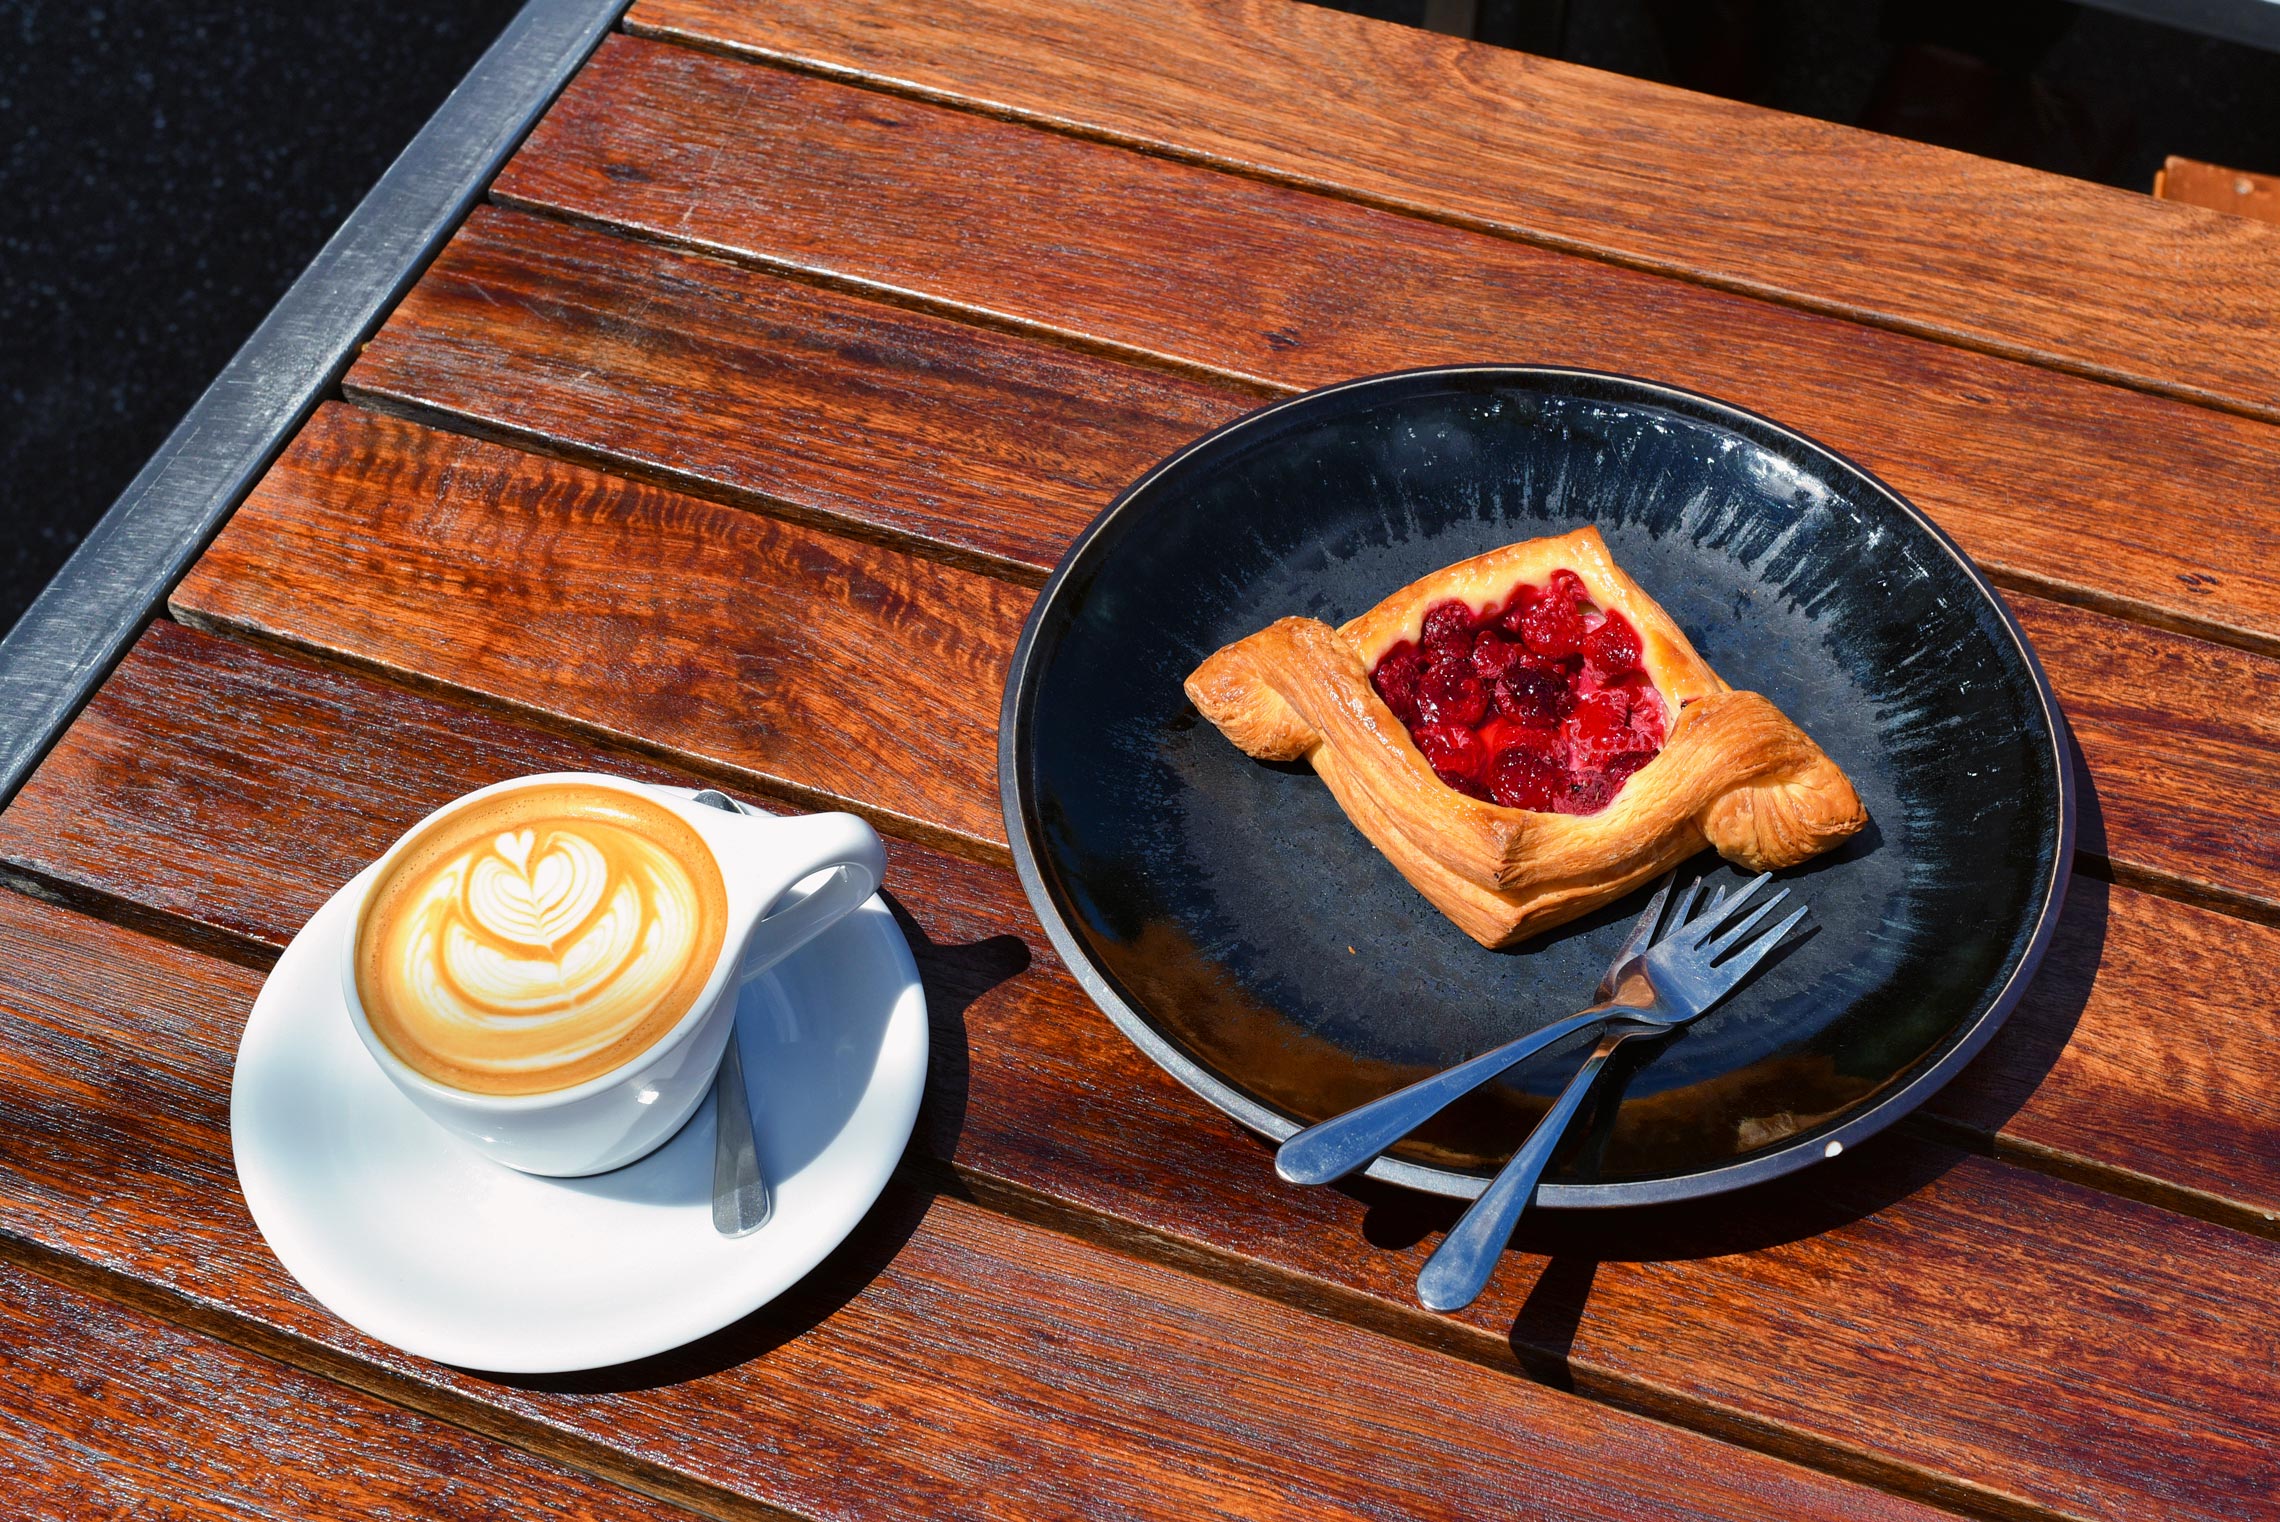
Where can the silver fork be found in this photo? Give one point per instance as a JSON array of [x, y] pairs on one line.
[[1339, 1145], [1681, 976]]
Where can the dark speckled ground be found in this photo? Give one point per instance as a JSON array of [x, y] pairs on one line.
[[166, 168]]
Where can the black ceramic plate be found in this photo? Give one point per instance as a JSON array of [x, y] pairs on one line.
[[1227, 917]]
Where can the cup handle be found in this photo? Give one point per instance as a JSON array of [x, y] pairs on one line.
[[785, 931]]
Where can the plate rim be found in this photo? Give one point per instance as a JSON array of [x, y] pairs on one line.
[[284, 1226], [1819, 1146]]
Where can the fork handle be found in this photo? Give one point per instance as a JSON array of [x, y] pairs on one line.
[[1338, 1146], [1460, 1267]]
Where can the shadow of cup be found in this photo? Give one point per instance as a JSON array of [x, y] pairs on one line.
[[811, 1031]]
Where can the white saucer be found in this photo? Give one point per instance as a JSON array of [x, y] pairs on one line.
[[413, 1238]]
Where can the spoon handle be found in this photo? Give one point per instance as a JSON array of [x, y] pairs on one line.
[[1338, 1146], [1460, 1267], [742, 1202]]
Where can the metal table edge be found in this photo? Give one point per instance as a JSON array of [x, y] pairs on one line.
[[82, 623]]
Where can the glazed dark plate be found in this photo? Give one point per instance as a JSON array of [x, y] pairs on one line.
[[1227, 917]]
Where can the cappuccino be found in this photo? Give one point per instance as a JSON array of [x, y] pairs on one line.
[[539, 937]]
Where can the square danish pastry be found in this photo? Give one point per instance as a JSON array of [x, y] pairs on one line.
[[1526, 735]]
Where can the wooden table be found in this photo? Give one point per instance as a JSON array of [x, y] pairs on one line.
[[728, 439]]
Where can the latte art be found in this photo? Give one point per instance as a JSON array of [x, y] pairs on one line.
[[539, 938]]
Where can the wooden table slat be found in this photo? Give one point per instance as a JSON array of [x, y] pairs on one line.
[[939, 1353], [2236, 192], [138, 814], [836, 668], [2022, 1307], [109, 1413], [727, 446], [1830, 217], [656, 631], [812, 402], [2177, 738], [2111, 497]]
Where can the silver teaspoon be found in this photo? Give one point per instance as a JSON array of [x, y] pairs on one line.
[[742, 1201]]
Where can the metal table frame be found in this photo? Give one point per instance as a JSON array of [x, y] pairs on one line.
[[85, 619]]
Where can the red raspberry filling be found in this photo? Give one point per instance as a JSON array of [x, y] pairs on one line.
[[1537, 704]]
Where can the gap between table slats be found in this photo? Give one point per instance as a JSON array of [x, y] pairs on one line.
[[141, 819], [107, 1411], [1875, 229], [945, 1360], [2182, 792], [2100, 496], [1695, 1314]]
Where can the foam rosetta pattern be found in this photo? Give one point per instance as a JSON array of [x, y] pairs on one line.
[[531, 957]]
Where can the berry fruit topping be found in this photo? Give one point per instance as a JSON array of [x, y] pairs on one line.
[[1552, 628], [1613, 648], [1493, 655], [1527, 779], [1453, 695], [1455, 753], [1586, 793], [1396, 680], [1535, 695], [1448, 618], [1541, 703]]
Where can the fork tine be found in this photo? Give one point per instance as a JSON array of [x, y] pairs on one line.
[[1742, 928], [1635, 943], [1683, 907], [1697, 930], [1749, 956], [1650, 918]]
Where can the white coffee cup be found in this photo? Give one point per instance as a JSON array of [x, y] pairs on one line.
[[622, 1115]]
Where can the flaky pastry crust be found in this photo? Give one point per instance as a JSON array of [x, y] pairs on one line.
[[1734, 772]]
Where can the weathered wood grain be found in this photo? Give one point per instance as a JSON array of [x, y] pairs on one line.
[[2145, 1057], [848, 671], [2051, 1342], [835, 668], [944, 1362], [816, 403], [142, 813], [140, 810], [107, 1413], [2179, 739], [1825, 216], [2196, 183], [1953, 1326], [2046, 478]]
